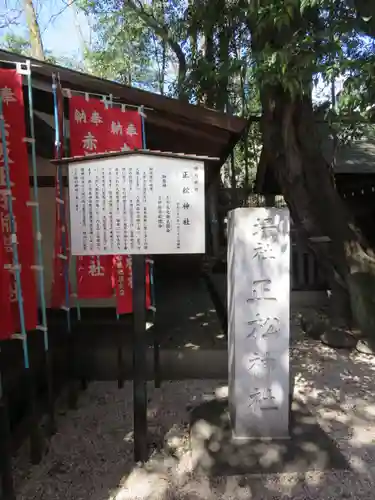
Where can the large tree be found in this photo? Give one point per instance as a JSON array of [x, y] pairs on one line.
[[36, 42], [291, 41]]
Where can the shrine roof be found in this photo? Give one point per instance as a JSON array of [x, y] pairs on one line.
[[356, 158], [134, 152], [171, 124]]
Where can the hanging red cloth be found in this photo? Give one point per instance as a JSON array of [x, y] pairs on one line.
[[61, 245], [98, 128], [6, 323], [11, 89]]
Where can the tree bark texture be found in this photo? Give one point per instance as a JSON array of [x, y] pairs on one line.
[[291, 149], [36, 43]]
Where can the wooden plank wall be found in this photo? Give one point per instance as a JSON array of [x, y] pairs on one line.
[[305, 272]]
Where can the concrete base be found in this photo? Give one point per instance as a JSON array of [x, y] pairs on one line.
[[216, 452]]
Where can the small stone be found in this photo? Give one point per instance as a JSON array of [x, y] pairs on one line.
[[365, 346], [312, 325], [338, 339]]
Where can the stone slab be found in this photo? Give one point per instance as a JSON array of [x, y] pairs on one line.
[[298, 299], [216, 453], [366, 346], [259, 321]]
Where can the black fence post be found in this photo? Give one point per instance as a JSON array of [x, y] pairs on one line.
[[36, 439], [139, 359], [51, 393], [157, 368], [7, 485], [120, 363]]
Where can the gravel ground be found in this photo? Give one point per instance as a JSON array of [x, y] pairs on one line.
[[91, 457]]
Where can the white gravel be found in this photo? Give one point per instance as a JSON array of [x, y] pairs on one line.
[[91, 457]]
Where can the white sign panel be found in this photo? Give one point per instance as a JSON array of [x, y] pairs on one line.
[[258, 303], [137, 204]]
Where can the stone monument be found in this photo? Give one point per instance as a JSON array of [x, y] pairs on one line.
[[258, 322]]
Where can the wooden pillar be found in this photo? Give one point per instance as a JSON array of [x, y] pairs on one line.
[[213, 216], [270, 200], [139, 359]]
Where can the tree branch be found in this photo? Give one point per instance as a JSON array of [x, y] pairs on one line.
[[10, 17], [366, 14], [163, 32], [66, 5]]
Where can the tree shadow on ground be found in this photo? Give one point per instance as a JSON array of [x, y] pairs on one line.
[[92, 455], [337, 388], [187, 318]]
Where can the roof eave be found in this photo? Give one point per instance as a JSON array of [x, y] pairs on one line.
[[44, 71]]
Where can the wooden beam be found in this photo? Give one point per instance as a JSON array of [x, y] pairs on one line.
[[133, 152], [180, 136], [46, 181], [188, 129]]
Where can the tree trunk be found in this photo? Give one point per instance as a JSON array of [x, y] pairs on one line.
[[163, 67], [82, 40], [291, 149], [225, 32], [209, 90], [36, 43]]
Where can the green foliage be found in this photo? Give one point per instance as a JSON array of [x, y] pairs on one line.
[[120, 48], [21, 45], [227, 50], [15, 43], [127, 44], [220, 53]]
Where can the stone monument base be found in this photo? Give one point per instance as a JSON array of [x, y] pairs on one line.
[[217, 452]]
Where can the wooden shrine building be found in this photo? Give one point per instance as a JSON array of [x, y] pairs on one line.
[[170, 126]]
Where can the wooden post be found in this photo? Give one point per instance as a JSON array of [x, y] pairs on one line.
[[139, 359], [6, 471], [157, 368], [270, 200], [36, 440], [51, 394], [120, 363], [71, 361], [213, 215], [6, 454], [36, 444]]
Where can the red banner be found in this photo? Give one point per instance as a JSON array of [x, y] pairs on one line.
[[14, 113], [122, 268], [6, 323], [58, 292], [97, 128]]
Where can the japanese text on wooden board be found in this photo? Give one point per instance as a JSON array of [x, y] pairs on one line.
[[139, 204]]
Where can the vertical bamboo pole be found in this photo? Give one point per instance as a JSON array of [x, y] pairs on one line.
[[39, 267], [35, 438], [72, 391]]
